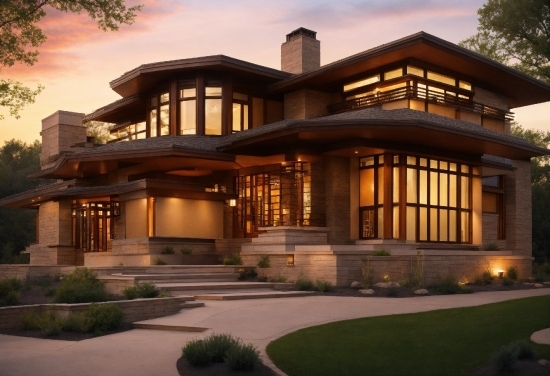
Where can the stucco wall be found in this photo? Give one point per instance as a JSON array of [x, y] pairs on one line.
[[136, 218]]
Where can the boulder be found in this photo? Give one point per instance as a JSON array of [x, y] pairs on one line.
[[387, 285], [367, 291], [421, 292], [356, 285], [538, 285], [543, 362]]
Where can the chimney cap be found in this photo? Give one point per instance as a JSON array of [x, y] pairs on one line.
[[302, 31]]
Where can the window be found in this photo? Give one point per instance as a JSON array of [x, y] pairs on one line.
[[363, 82], [493, 201], [213, 108], [188, 107], [129, 132], [159, 114], [371, 199], [393, 74], [240, 112]]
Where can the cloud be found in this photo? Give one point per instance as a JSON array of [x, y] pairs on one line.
[[68, 34]]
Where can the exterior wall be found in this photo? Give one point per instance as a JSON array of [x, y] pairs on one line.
[[273, 111], [337, 199], [120, 222], [469, 117], [136, 218], [306, 104], [354, 198], [257, 112], [33, 271], [177, 217], [404, 103], [60, 131], [490, 230], [442, 110], [489, 98], [519, 209], [477, 210], [300, 54], [494, 124]]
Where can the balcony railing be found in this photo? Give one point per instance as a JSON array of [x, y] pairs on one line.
[[422, 94]]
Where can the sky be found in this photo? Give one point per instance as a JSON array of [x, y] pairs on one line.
[[78, 60]]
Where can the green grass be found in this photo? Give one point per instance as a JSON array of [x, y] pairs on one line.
[[444, 342]]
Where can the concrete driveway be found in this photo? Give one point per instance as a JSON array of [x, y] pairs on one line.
[[153, 352]]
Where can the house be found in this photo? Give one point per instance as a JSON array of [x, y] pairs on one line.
[[404, 147]]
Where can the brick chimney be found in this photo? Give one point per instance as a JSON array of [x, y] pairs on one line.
[[60, 131], [301, 52]]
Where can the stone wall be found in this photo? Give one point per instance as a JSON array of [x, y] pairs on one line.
[[337, 199], [519, 209], [134, 310], [307, 104], [60, 131], [32, 271], [300, 54]]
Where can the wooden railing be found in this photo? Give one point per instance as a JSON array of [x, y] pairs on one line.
[[422, 94]]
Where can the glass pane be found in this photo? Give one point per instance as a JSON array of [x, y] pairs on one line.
[[452, 190], [415, 70], [164, 120], [395, 159], [465, 192], [433, 188], [366, 187], [464, 85], [153, 101], [363, 82], [443, 165], [140, 127], [433, 225], [452, 166], [381, 185], [368, 161], [423, 224], [236, 117], [393, 74], [411, 223], [433, 163], [396, 222], [411, 185], [452, 225], [464, 168], [443, 187], [465, 227], [188, 93], [245, 116], [411, 160], [164, 97], [153, 119], [380, 223], [423, 162], [213, 91], [241, 97], [443, 225], [423, 187], [395, 185], [441, 78], [380, 159], [213, 116], [367, 225], [188, 116]]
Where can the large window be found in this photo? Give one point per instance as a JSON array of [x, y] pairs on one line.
[[493, 201], [188, 107], [159, 114], [92, 225], [213, 108], [240, 112], [436, 198], [128, 132]]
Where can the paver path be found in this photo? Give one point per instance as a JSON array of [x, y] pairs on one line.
[[151, 352]]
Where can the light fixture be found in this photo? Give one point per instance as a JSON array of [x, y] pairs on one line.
[[290, 259], [500, 274], [356, 152]]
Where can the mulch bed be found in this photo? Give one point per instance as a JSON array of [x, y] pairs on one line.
[[523, 368], [216, 369], [63, 336]]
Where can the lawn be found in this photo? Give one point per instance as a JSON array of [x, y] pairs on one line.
[[444, 342]]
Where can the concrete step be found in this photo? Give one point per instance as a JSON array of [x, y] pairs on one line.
[[178, 269], [191, 305], [183, 278], [252, 295], [178, 328], [172, 287]]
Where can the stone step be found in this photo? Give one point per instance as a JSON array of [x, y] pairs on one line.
[[191, 305], [178, 269], [178, 328], [172, 287], [182, 278], [252, 295]]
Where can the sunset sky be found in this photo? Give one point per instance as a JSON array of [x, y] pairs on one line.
[[78, 60]]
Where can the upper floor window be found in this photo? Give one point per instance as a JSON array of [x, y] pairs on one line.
[[159, 114], [213, 108], [240, 112], [188, 107]]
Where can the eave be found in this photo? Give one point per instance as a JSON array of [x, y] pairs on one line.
[[521, 89], [122, 110]]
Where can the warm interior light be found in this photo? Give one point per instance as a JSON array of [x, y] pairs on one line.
[[232, 202], [290, 259], [356, 152]]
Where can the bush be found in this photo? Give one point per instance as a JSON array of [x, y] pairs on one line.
[[491, 247], [507, 281], [323, 286], [233, 259], [186, 250], [512, 273], [281, 279], [367, 271], [50, 323], [141, 291], [81, 286], [392, 292], [76, 322], [50, 291], [218, 345], [168, 250], [262, 279], [304, 284], [450, 285], [381, 252], [484, 279], [242, 357], [159, 261], [197, 353], [264, 262], [523, 350], [103, 317], [505, 360], [541, 272]]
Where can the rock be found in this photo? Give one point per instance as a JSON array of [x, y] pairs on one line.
[[543, 362], [528, 284], [387, 285], [538, 285], [421, 292], [356, 285], [367, 291], [546, 283]]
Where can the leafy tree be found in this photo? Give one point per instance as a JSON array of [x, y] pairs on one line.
[[515, 33], [20, 36], [99, 130], [17, 226], [540, 191]]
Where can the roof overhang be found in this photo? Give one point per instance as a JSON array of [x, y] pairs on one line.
[[128, 109], [521, 89]]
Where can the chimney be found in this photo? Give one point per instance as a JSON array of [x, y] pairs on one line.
[[301, 52], [60, 131]]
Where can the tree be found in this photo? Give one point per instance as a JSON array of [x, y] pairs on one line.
[[20, 36], [17, 226], [515, 33], [99, 130], [540, 191]]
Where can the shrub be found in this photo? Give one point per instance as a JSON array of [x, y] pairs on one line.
[[197, 353], [491, 247], [381, 252], [417, 271], [168, 250], [50, 291], [43, 282], [50, 323], [103, 317], [281, 279], [76, 322], [81, 286], [367, 271], [541, 272], [304, 284], [264, 262], [484, 279], [323, 286], [186, 250], [523, 350], [262, 279], [450, 285], [505, 360], [141, 290], [159, 261], [392, 292], [512, 273], [242, 357], [507, 281], [9, 284], [233, 259], [218, 345]]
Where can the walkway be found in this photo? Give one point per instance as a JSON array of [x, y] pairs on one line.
[[151, 352]]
